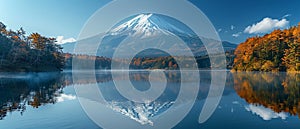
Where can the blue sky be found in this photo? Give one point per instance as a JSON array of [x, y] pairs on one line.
[[234, 19]]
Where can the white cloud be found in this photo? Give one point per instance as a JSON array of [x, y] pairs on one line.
[[287, 15], [237, 34], [219, 30], [265, 113], [65, 97], [61, 40], [232, 27], [267, 25]]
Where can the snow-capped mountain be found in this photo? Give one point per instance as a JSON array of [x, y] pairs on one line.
[[153, 28], [149, 25], [145, 26]]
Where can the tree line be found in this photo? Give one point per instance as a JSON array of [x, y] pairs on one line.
[[162, 62], [32, 53]]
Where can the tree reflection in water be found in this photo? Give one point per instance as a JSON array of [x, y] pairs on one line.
[[20, 90], [277, 91]]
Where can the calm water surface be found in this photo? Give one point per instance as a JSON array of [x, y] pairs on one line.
[[250, 100]]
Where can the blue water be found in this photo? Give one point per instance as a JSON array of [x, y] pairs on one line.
[[250, 100]]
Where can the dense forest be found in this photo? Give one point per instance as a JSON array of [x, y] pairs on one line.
[[163, 62], [100, 62], [33, 53], [166, 62], [277, 51]]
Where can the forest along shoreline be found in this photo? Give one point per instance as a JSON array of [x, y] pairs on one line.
[[278, 51], [33, 53]]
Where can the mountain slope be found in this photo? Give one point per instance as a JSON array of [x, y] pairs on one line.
[[149, 27], [69, 47]]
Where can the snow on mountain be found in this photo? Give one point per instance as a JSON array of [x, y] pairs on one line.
[[146, 26], [149, 25], [142, 113]]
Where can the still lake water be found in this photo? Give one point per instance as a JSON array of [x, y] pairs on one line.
[[250, 100]]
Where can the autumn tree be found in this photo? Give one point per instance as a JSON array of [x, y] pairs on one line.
[[2, 28], [35, 52], [277, 51], [37, 41]]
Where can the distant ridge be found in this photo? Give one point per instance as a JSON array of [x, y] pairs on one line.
[[69, 47]]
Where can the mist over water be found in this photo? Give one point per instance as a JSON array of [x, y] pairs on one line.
[[37, 99]]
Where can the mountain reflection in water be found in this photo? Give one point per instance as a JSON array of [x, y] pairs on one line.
[[275, 93]]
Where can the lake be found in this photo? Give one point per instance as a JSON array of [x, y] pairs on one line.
[[48, 100]]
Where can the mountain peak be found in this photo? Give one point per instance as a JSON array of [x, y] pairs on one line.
[[148, 25], [144, 17], [141, 25]]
